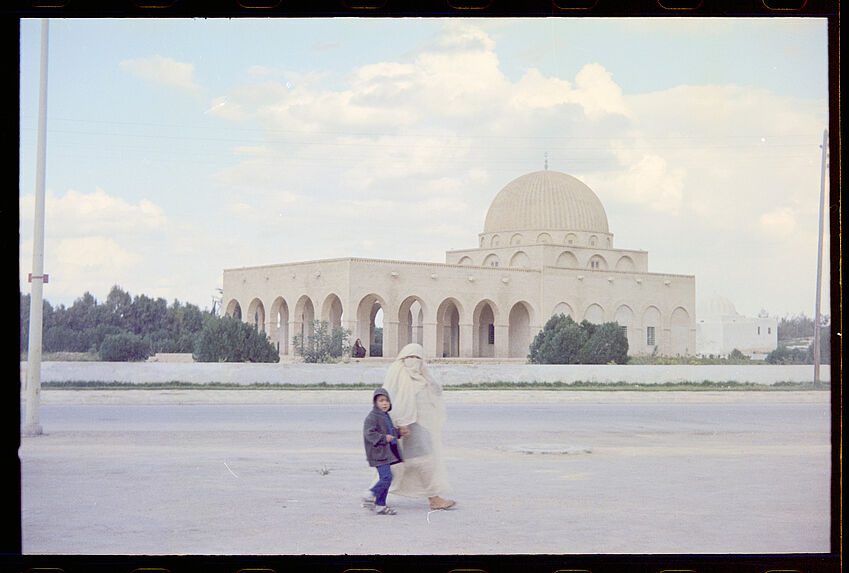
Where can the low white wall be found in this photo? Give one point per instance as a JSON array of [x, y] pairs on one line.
[[372, 373]]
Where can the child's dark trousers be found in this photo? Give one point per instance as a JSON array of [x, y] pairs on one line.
[[381, 488]]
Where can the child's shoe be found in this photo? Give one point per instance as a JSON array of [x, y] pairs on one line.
[[385, 510], [368, 502]]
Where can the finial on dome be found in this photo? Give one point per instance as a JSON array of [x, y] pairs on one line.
[[546, 160]]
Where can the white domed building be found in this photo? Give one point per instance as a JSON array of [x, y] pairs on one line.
[[722, 330], [545, 249]]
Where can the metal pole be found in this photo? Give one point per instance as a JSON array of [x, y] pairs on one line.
[[817, 319], [32, 425]]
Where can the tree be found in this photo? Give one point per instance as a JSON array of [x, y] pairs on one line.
[[146, 315], [228, 339], [376, 347], [785, 355], [323, 346], [119, 305], [184, 322], [799, 326], [558, 342], [563, 341], [123, 347], [606, 343]]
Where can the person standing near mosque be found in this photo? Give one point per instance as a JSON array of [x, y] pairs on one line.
[[418, 411], [381, 444]]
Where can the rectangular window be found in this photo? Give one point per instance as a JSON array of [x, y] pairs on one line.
[[650, 335], [759, 330], [492, 334], [624, 330]]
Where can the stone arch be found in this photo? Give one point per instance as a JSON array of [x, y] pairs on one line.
[[651, 324], [679, 330], [563, 308], [543, 238], [567, 259], [495, 241], [571, 239], [304, 318], [234, 310], [483, 327], [624, 315], [593, 242], [520, 260], [279, 331], [597, 263], [256, 315], [465, 261], [331, 311], [492, 260], [594, 313], [448, 328], [519, 329], [411, 321], [516, 239], [367, 310], [625, 263]]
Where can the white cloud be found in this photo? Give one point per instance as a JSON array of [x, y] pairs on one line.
[[96, 254], [779, 223], [597, 93], [399, 156], [98, 213], [164, 71], [649, 180], [96, 240]]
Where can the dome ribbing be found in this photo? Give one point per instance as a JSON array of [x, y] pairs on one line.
[[546, 200]]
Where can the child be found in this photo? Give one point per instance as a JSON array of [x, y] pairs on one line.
[[381, 443]]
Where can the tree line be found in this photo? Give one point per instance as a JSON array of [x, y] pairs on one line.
[[564, 341], [126, 327]]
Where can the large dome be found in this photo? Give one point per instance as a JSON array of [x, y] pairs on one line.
[[546, 200]]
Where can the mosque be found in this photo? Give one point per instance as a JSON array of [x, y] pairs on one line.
[[545, 249]]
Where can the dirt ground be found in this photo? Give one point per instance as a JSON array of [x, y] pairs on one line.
[[685, 489]]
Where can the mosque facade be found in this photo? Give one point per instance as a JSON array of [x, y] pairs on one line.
[[545, 249]]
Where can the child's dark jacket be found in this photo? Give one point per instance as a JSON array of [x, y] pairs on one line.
[[376, 426]]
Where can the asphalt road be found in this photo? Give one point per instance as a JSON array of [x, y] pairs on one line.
[[742, 475]]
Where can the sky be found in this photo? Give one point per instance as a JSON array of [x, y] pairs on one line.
[[177, 148]]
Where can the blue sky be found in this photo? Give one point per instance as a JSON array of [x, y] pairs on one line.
[[178, 148]]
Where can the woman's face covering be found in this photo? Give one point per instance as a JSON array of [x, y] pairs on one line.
[[413, 362]]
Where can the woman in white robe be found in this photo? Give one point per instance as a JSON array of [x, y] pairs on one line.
[[418, 411]]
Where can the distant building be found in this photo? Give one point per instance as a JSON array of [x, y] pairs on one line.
[[721, 329], [545, 249]]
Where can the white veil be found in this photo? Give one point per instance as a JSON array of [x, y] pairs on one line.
[[417, 403]]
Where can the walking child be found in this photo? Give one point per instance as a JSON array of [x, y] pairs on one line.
[[381, 443]]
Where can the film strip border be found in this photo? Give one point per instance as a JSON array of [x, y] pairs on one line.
[[430, 564], [330, 8]]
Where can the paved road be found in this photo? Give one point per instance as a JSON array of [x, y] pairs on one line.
[[749, 475]]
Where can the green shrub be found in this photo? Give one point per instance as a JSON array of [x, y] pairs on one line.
[[785, 355], [228, 339], [563, 341], [123, 347], [606, 344], [323, 346]]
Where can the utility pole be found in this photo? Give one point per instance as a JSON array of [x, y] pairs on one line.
[[32, 426], [817, 318]]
